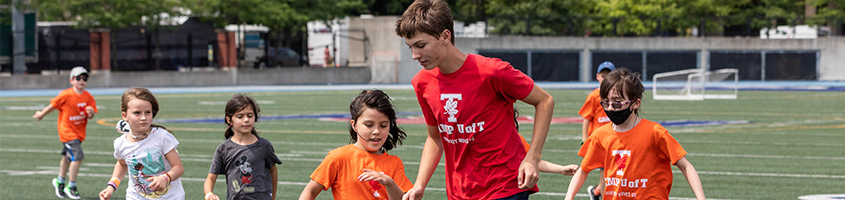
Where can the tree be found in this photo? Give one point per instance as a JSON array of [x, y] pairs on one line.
[[535, 17]]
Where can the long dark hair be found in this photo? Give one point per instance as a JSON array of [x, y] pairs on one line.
[[239, 102], [378, 101], [142, 94]]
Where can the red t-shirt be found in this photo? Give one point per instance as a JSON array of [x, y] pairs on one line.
[[592, 111], [473, 109], [72, 116], [638, 163]]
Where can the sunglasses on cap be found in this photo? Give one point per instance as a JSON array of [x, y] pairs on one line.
[[81, 78]]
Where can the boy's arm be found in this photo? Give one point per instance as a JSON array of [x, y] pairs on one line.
[[432, 151], [692, 177], [274, 175], [549, 167], [40, 114], [544, 106], [311, 191], [575, 183]]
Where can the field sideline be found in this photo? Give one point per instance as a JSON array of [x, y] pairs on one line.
[[792, 144]]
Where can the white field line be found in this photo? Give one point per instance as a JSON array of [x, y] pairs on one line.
[[192, 179], [193, 158]]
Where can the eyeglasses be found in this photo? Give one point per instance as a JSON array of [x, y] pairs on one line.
[[81, 78], [615, 104]]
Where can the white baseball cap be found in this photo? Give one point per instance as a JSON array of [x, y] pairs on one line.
[[78, 70]]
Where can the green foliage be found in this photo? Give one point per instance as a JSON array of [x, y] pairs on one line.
[[638, 17]]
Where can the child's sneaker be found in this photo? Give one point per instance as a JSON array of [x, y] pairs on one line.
[[72, 193], [58, 186], [592, 191]]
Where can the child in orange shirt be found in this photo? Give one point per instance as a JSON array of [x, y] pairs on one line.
[[75, 107], [594, 117], [637, 154], [364, 170]]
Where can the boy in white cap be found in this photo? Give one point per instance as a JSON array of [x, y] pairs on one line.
[[75, 107]]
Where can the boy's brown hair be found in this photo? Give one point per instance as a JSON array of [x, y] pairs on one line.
[[627, 83], [426, 16]]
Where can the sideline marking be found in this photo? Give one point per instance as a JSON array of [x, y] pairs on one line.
[[187, 157], [192, 179], [822, 197]]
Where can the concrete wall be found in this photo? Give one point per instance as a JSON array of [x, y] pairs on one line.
[[831, 62], [385, 47], [345, 75]]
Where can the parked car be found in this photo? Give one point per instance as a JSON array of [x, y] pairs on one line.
[[280, 57]]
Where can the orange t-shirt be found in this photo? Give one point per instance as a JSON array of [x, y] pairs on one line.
[[342, 166], [592, 111], [72, 117], [638, 163]]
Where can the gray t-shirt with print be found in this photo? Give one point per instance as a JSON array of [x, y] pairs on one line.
[[246, 168]]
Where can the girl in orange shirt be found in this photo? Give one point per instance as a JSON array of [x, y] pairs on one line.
[[637, 154], [364, 170]]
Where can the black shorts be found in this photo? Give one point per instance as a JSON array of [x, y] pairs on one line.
[[73, 150]]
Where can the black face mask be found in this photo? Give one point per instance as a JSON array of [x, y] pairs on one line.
[[620, 116]]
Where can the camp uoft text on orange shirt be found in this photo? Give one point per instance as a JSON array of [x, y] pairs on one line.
[[72, 117], [638, 163]]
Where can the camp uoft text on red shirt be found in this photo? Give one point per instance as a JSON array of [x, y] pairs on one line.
[[473, 110]]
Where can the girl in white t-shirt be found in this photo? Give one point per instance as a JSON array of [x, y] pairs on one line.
[[146, 151]]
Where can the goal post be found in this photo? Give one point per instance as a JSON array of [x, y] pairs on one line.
[[695, 84]]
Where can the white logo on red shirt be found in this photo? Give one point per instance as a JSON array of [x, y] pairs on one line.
[[451, 105]]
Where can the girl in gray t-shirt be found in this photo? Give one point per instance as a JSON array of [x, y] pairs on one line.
[[248, 161]]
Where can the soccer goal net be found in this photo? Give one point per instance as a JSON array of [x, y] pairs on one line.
[[695, 84]]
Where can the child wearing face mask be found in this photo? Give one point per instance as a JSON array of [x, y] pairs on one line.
[[248, 161], [364, 170], [636, 153]]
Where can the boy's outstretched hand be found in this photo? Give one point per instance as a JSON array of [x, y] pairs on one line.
[[38, 115]]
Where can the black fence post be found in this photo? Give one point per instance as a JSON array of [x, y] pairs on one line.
[[12, 53], [149, 51], [747, 26], [58, 50], [528, 25], [703, 29], [190, 51], [615, 21]]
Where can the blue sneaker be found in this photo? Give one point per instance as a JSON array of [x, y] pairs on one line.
[[58, 186]]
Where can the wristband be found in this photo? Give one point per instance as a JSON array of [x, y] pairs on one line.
[[116, 181], [112, 184], [169, 178], [165, 177], [208, 194]]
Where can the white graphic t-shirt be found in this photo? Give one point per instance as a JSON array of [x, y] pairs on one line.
[[145, 159]]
